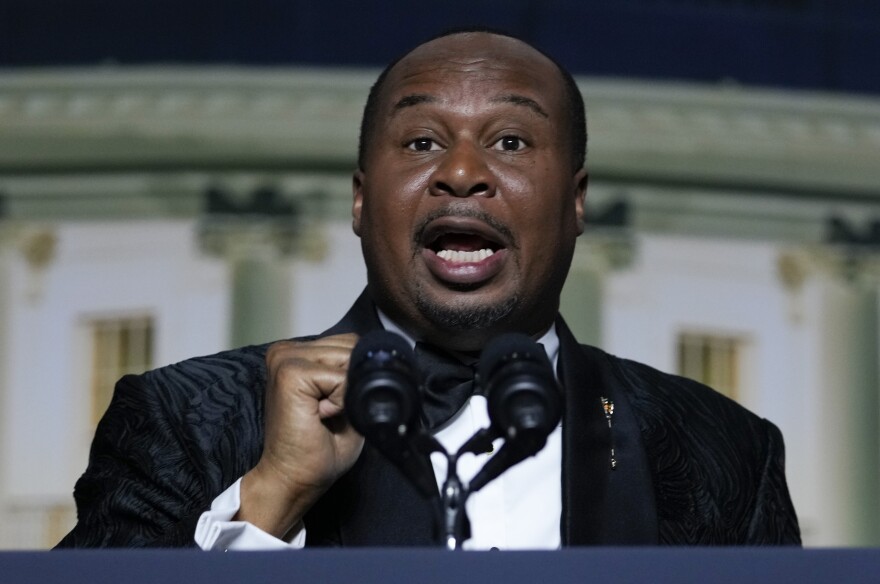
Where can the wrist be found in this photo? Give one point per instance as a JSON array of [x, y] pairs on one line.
[[273, 503]]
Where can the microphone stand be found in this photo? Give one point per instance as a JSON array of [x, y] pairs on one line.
[[453, 497], [454, 494]]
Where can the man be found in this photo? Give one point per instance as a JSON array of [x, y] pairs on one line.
[[468, 200]]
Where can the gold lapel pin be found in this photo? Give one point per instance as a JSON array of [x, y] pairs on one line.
[[608, 408]]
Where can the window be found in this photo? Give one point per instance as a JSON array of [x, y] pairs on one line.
[[712, 359], [119, 346]]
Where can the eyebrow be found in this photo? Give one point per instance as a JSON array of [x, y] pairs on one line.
[[522, 100], [411, 100], [420, 98]]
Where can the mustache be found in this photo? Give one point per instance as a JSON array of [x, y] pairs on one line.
[[463, 209]]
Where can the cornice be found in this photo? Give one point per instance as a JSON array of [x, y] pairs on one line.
[[204, 118], [729, 135], [105, 119]]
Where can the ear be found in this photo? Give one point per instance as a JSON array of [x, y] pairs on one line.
[[580, 194], [357, 189]]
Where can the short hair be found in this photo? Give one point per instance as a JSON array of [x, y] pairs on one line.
[[576, 111]]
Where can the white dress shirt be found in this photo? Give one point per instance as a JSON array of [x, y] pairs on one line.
[[521, 509]]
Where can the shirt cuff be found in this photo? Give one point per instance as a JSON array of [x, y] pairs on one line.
[[216, 530]]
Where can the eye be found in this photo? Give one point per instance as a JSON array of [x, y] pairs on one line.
[[509, 144], [423, 145]]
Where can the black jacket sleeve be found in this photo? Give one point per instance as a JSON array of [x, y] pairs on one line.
[[170, 442]]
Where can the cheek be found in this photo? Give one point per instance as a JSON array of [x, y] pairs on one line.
[[542, 214], [387, 227], [399, 195], [533, 203]]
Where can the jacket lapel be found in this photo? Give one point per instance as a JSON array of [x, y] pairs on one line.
[[361, 318], [601, 506]]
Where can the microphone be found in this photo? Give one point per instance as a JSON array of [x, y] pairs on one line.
[[382, 398], [382, 403], [524, 401]]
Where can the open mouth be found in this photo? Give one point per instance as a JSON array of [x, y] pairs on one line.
[[462, 240], [463, 248], [464, 252]]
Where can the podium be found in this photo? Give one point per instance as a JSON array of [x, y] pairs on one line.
[[430, 566]]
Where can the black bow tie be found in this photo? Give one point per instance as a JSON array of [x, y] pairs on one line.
[[448, 383]]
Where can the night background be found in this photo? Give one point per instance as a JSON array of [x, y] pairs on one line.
[[808, 44]]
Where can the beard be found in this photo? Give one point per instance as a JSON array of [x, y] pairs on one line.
[[465, 316]]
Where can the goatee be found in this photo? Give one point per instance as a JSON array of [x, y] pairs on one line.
[[464, 316]]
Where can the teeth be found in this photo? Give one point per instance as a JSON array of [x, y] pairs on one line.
[[464, 257]]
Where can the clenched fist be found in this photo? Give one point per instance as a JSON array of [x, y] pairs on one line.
[[308, 442]]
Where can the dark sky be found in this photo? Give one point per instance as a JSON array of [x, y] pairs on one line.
[[817, 44]]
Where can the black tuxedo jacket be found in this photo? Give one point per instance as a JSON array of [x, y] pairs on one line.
[[693, 467]]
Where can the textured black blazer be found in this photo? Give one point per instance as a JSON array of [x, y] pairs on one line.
[[693, 467]]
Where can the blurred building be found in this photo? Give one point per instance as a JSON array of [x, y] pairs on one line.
[[149, 214]]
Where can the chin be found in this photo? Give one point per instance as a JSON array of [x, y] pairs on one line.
[[465, 315]]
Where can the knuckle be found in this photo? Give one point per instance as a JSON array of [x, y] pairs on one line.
[[279, 349]]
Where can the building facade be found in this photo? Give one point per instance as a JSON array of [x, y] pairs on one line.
[[152, 214]]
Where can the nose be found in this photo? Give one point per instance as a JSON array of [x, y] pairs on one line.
[[463, 172]]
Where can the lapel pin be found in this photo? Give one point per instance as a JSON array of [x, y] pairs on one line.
[[608, 408]]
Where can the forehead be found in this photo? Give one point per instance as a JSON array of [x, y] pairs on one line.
[[476, 63]]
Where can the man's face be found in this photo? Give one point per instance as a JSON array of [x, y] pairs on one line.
[[468, 206]]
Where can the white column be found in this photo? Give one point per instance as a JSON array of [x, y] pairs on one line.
[[27, 520], [5, 343], [836, 301], [582, 297], [850, 366], [258, 256]]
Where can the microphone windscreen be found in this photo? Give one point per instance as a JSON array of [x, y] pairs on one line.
[[382, 396], [379, 343], [524, 399], [506, 348]]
